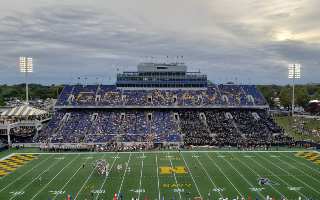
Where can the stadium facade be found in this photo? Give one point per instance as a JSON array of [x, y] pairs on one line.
[[163, 104], [161, 75]]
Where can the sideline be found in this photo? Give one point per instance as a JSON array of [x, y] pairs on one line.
[[150, 152], [7, 156]]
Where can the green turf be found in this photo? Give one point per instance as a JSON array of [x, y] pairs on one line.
[[218, 173]]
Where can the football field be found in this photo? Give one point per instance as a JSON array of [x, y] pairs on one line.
[[162, 175]]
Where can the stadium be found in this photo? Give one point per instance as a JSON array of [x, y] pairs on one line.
[[163, 104], [160, 132]]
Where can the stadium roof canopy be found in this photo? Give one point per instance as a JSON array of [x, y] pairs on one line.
[[23, 111]]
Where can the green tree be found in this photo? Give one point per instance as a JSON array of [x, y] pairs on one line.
[[285, 96], [317, 95], [302, 97], [2, 103], [268, 93]]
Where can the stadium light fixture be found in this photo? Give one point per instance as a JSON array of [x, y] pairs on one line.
[[294, 72], [26, 66]]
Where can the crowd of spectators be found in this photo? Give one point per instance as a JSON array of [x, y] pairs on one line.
[[109, 95], [153, 124], [114, 125], [191, 127], [234, 128], [302, 126], [194, 128]]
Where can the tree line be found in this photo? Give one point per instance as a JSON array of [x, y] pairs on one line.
[[303, 94], [36, 91]]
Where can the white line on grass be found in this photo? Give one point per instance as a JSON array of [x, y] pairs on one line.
[[174, 175], [85, 182], [26, 186], [190, 173], [141, 170], [254, 172], [300, 179], [124, 174], [8, 156], [225, 176], [208, 175], [301, 163], [290, 175], [20, 177], [158, 177], [65, 185], [283, 181], [105, 179], [54, 177], [244, 178]]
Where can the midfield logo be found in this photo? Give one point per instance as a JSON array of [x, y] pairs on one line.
[[170, 170]]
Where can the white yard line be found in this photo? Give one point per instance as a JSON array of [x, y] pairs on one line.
[[301, 163], [20, 177], [65, 185], [190, 173], [208, 175], [283, 181], [254, 172], [26, 186], [8, 156], [174, 175], [158, 177], [124, 174], [85, 182], [54, 177], [225, 176], [105, 179], [244, 178], [267, 160], [302, 173], [141, 170]]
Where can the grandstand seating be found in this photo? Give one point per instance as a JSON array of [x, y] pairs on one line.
[[187, 116], [198, 128], [108, 95]]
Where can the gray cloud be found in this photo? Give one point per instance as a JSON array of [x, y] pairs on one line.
[[252, 42]]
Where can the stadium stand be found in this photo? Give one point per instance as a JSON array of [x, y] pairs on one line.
[[108, 95], [149, 108]]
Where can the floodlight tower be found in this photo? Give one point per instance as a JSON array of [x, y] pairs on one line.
[[26, 66], [293, 73]]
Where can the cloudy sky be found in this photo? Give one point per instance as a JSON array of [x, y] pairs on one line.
[[247, 41]]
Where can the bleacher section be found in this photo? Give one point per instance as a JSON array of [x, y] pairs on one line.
[[193, 127], [109, 95]]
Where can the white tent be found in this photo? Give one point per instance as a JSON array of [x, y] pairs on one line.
[[23, 111]]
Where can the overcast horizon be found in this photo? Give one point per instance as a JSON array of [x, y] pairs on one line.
[[247, 41]]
